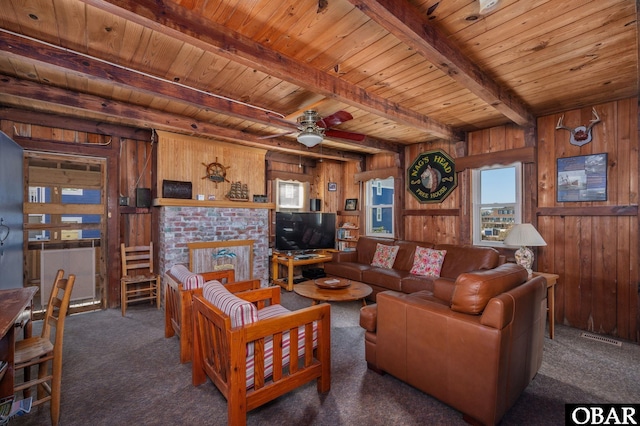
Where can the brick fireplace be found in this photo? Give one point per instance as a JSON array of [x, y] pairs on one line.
[[180, 225]]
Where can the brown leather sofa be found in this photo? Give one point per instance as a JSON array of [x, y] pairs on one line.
[[356, 265], [475, 351]]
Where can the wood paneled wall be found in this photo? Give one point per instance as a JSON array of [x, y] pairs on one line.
[[593, 246], [50, 133], [185, 158], [427, 223]]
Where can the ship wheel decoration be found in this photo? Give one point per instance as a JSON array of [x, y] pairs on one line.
[[216, 172]]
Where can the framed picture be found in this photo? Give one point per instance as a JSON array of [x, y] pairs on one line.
[[333, 186], [582, 178], [351, 204]]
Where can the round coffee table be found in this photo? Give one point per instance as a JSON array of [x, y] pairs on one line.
[[344, 291]]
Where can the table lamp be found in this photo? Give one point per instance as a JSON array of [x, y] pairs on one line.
[[524, 235]]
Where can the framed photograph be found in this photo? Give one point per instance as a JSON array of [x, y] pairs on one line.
[[351, 204], [333, 186], [582, 178]]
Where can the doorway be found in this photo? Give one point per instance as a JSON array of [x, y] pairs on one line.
[[65, 226]]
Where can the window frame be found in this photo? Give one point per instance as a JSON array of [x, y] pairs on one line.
[[369, 209], [477, 206], [303, 191]]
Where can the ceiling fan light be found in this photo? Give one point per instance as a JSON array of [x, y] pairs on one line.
[[487, 6], [309, 138]]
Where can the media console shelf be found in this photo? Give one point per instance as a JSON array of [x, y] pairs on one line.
[[291, 261]]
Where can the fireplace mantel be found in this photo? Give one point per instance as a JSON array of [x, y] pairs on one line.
[[180, 202]]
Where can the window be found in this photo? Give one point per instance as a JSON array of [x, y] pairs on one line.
[[379, 207], [497, 202], [290, 195]]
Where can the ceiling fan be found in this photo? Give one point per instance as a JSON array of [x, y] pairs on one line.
[[312, 128]]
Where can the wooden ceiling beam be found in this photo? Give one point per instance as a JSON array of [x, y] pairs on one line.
[[182, 24], [74, 123], [412, 27], [96, 69], [119, 112]]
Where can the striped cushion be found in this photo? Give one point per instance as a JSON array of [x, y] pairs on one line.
[[189, 280], [239, 311], [271, 312]]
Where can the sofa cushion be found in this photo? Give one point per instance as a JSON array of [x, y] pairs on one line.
[[428, 262], [384, 256], [443, 289], [466, 258], [473, 290], [348, 270], [184, 276], [239, 311], [387, 278], [406, 251], [412, 283], [366, 248]]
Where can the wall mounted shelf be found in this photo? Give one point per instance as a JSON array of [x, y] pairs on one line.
[[179, 202]]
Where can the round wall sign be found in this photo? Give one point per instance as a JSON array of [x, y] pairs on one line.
[[432, 176]]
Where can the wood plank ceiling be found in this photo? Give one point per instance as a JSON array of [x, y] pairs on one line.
[[408, 71]]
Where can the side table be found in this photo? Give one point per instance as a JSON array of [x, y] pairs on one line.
[[291, 261], [552, 279]]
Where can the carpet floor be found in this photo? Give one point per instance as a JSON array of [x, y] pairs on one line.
[[122, 370]]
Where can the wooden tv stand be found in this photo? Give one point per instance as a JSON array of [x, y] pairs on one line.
[[291, 261]]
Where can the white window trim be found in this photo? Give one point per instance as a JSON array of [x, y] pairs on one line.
[[300, 206], [476, 205], [376, 184]]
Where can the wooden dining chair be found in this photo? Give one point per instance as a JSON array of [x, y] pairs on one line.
[[39, 350], [145, 283]]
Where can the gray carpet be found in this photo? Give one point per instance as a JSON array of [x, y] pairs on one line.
[[123, 371]]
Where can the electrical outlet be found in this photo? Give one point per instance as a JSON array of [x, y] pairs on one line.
[[124, 201]]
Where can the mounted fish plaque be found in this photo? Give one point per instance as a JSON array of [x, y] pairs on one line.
[[432, 176]]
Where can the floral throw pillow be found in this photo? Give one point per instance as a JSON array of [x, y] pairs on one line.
[[385, 256], [427, 262]]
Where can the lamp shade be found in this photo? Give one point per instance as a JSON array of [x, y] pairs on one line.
[[309, 138], [524, 234]]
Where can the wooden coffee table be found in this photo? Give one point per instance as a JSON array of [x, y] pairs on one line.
[[344, 291]]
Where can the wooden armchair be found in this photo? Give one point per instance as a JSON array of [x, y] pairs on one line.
[[177, 307], [250, 364]]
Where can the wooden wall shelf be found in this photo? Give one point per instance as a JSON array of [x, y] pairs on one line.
[[178, 202]]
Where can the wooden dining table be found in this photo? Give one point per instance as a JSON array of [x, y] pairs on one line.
[[13, 302]]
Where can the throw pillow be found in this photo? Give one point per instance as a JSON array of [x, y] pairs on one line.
[[239, 310], [428, 262], [384, 256]]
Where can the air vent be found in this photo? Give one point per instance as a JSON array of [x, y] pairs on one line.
[[602, 339]]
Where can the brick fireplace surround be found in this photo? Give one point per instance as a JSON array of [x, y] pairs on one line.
[[182, 225]]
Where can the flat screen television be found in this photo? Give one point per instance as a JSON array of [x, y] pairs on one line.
[[301, 231]]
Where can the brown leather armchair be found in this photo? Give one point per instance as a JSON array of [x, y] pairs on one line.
[[476, 349]]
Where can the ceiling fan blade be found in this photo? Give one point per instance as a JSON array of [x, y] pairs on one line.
[[278, 135], [283, 121], [334, 119], [342, 134]]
